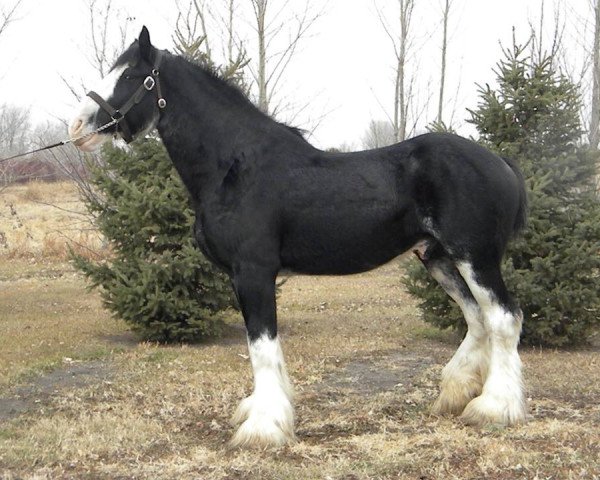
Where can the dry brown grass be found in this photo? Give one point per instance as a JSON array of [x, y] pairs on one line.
[[79, 398], [37, 191], [365, 369], [42, 220], [45, 316]]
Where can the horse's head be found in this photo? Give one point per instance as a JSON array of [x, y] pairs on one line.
[[125, 97]]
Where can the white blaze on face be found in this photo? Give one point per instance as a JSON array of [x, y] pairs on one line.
[[82, 122]]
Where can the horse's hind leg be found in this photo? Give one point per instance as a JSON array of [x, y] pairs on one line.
[[502, 400], [465, 373], [265, 418]]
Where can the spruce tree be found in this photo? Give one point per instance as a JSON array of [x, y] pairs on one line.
[[156, 280], [553, 268]]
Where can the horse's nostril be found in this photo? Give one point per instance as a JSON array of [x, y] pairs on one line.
[[76, 127]]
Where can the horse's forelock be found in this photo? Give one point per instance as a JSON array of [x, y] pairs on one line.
[[130, 57]]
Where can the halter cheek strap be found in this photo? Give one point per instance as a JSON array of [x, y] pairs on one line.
[[118, 115]]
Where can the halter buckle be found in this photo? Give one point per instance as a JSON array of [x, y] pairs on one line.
[[117, 116], [149, 83], [162, 103]]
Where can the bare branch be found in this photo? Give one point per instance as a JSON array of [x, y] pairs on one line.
[[387, 30], [285, 57], [76, 92], [379, 134], [201, 16], [7, 16], [14, 129], [104, 52], [270, 67]]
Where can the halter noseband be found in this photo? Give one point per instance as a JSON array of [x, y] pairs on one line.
[[118, 115]]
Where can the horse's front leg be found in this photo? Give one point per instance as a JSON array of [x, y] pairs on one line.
[[265, 418]]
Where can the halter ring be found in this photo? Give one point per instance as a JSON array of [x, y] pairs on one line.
[[149, 83]]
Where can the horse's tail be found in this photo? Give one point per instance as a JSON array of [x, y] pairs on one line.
[[521, 218]]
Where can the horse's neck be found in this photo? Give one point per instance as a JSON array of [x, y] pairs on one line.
[[202, 127]]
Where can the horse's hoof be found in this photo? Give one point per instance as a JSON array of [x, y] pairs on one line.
[[454, 397], [263, 432], [492, 410]]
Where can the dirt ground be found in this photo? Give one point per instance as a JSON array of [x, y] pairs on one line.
[[82, 398]]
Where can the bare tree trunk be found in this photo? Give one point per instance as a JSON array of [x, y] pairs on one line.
[[202, 17], [400, 42], [230, 30], [260, 11], [406, 10], [400, 107], [594, 133], [398, 94], [446, 13]]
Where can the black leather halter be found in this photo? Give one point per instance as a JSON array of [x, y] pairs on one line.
[[118, 115]]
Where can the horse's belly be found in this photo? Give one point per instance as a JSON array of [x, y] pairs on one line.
[[337, 248]]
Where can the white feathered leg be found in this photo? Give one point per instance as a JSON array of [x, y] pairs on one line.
[[465, 373], [266, 418], [502, 400]]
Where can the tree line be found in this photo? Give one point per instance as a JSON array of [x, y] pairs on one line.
[[278, 28]]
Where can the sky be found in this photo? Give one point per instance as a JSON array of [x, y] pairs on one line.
[[341, 77]]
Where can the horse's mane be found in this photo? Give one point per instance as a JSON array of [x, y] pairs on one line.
[[295, 130], [215, 76]]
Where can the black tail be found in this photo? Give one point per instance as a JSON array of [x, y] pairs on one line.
[[521, 218]]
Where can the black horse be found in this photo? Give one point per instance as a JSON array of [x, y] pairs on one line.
[[266, 201]]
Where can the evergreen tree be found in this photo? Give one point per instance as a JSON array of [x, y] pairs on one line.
[[189, 46], [156, 280], [554, 267], [439, 127]]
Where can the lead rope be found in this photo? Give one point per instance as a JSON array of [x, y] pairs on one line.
[[63, 142]]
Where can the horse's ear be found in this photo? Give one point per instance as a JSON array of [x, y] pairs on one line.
[[145, 45]]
